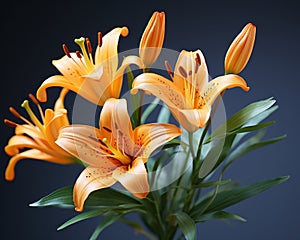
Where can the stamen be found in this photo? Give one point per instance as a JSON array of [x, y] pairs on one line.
[[169, 69], [116, 154], [10, 123], [107, 129], [99, 39], [66, 50], [36, 102], [78, 54], [80, 42], [18, 115], [15, 112], [198, 59], [182, 72], [90, 50], [32, 116]]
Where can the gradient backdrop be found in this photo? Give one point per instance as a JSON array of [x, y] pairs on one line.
[[32, 34]]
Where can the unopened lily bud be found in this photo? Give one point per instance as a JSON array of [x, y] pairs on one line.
[[152, 39], [240, 50]]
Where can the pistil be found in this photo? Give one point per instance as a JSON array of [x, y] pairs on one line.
[[116, 154]]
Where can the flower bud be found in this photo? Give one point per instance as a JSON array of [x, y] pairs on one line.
[[240, 50], [152, 39]]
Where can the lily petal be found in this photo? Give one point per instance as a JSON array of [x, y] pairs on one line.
[[192, 119], [82, 141], [195, 70], [32, 154], [72, 68], [152, 136], [90, 179], [134, 179], [216, 86], [18, 142], [162, 88], [114, 116], [107, 54]]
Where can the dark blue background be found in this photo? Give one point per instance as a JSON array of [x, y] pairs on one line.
[[31, 36]]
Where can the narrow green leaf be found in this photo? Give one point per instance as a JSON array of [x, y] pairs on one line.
[[104, 197], [247, 146], [252, 128], [242, 117], [219, 215], [228, 198], [211, 184], [187, 225], [254, 121], [134, 99], [164, 114], [83, 216], [107, 221], [149, 110], [62, 198]]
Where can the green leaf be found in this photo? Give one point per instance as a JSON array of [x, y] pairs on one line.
[[134, 99], [149, 110], [62, 198], [242, 117], [187, 225], [83, 216], [164, 114], [219, 215], [230, 197], [107, 221], [104, 197], [249, 145]]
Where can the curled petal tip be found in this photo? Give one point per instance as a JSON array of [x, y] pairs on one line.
[[125, 31]]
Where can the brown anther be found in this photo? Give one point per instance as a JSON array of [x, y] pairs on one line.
[[89, 45], [182, 71], [14, 112], [66, 50], [169, 68], [198, 59], [33, 99], [78, 54], [10, 123], [190, 72], [99, 39], [107, 129]]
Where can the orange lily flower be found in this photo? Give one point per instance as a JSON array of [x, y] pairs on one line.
[[240, 50], [114, 152], [152, 39], [37, 137], [94, 79], [190, 95]]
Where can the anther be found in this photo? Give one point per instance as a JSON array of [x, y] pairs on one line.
[[89, 46], [10, 123], [107, 129], [169, 68], [198, 59], [66, 50], [78, 54], [99, 39], [14, 112], [182, 71], [33, 99]]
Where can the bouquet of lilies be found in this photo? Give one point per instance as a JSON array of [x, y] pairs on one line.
[[160, 150]]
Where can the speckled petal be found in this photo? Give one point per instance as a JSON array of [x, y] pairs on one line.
[[216, 86], [152, 136], [90, 179], [135, 179], [82, 141]]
